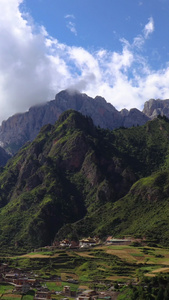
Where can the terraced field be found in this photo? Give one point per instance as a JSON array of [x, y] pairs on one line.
[[98, 267], [110, 262]]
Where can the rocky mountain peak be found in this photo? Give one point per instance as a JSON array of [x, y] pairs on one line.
[[124, 112], [153, 108], [24, 127]]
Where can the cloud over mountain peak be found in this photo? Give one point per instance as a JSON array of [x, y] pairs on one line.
[[35, 66]]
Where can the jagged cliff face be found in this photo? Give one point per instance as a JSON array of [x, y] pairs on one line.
[[134, 117], [153, 108], [21, 128]]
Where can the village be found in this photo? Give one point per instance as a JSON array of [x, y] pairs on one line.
[[23, 281], [90, 242]]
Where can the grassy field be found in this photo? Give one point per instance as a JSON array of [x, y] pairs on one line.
[[5, 288], [6, 293], [27, 297]]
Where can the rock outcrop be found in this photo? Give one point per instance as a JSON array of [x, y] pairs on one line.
[[133, 117], [153, 108]]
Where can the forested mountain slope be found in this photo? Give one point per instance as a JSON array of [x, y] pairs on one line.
[[74, 172]]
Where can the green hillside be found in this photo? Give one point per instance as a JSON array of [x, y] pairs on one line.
[[143, 212], [75, 173]]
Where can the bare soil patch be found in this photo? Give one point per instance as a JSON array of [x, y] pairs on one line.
[[65, 276], [117, 277], [83, 287], [126, 254], [11, 296], [36, 256], [161, 270]]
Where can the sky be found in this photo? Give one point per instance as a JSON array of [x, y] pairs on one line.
[[117, 49]]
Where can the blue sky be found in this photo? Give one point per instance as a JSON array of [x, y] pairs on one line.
[[95, 24], [117, 49]]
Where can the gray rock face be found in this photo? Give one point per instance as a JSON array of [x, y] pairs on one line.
[[20, 128], [153, 108], [103, 114], [134, 117]]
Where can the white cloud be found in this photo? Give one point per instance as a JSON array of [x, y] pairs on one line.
[[29, 62], [35, 66], [138, 41], [72, 27], [149, 28], [69, 16]]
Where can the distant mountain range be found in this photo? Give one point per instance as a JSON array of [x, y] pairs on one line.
[[23, 127], [76, 180]]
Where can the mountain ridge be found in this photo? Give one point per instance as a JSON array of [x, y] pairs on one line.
[[23, 127]]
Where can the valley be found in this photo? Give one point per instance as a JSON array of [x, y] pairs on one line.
[[76, 180]]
